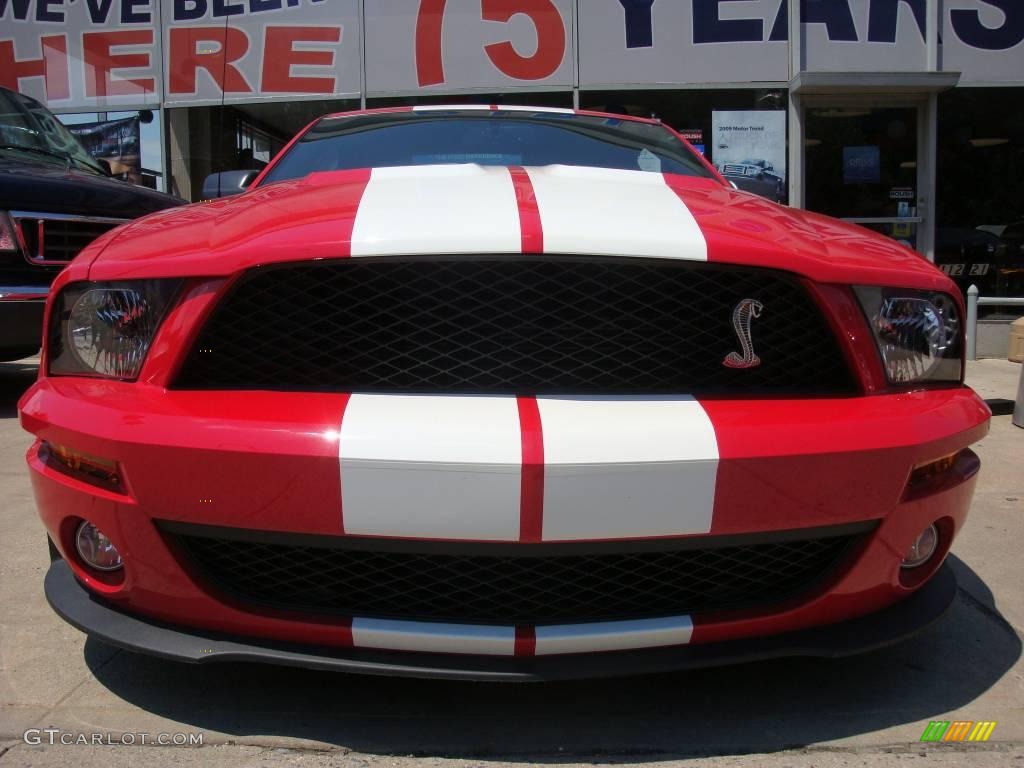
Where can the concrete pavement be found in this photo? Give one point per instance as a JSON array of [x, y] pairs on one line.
[[865, 711]]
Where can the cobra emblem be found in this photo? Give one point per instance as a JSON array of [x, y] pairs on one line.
[[742, 317]]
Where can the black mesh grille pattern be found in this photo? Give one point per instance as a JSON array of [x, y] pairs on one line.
[[503, 588], [524, 325]]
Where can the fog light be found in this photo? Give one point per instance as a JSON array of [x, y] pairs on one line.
[[923, 548], [95, 549]]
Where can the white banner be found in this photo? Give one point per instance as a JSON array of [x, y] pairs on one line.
[[981, 39], [439, 45], [102, 54], [89, 53], [690, 41], [266, 49]]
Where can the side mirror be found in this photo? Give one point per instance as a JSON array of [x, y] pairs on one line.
[[107, 170], [227, 183]]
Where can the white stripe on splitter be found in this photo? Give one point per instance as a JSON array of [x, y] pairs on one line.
[[425, 466], [430, 637], [599, 211], [613, 635], [437, 209], [627, 467]]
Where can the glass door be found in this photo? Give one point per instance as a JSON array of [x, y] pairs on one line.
[[861, 164]]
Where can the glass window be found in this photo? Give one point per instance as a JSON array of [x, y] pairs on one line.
[[754, 160], [28, 128], [238, 137], [128, 141], [518, 98], [488, 138], [979, 236]]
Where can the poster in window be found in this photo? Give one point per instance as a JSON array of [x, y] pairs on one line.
[[117, 142], [862, 165], [748, 147]]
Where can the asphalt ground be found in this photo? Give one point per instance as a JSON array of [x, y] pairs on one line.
[[865, 711]]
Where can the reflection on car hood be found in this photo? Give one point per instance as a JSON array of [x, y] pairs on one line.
[[469, 209], [39, 186]]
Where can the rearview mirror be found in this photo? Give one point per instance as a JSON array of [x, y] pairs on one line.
[[227, 183]]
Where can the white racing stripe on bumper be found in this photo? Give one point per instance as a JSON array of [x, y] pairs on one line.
[[434, 467], [613, 635], [437, 209], [491, 640], [427, 636], [624, 467], [596, 211]]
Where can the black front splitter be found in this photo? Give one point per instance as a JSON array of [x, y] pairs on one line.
[[76, 605]]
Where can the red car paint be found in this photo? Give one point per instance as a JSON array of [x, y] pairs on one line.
[[269, 460]]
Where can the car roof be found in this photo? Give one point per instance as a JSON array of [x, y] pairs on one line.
[[491, 108]]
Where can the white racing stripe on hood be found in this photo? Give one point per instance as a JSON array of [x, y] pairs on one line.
[[437, 209], [606, 212]]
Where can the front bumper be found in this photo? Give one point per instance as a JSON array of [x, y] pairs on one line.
[[270, 461], [76, 605]]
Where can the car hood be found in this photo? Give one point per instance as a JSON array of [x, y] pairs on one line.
[[469, 209], [43, 187]]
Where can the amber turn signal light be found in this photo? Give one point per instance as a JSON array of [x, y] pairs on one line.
[[82, 466], [927, 473]]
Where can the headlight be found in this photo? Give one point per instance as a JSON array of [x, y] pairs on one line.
[[105, 329], [918, 333]]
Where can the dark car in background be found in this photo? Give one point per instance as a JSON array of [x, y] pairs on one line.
[[757, 176], [993, 262], [55, 199]]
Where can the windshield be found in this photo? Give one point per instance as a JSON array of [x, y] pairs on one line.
[[485, 137], [27, 127]]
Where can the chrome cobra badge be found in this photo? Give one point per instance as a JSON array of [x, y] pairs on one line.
[[742, 316]]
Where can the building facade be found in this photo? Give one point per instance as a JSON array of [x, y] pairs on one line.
[[904, 116]]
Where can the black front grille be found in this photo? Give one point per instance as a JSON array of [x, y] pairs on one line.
[[521, 584], [57, 240], [524, 325]]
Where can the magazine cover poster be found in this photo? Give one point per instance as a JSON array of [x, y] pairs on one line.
[[748, 147]]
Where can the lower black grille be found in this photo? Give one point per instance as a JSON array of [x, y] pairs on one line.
[[522, 325], [506, 584]]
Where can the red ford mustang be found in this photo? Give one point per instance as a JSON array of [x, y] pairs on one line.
[[502, 393]]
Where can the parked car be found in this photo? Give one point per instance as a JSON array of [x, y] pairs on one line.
[[969, 256], [1011, 273], [994, 263], [500, 393], [55, 199]]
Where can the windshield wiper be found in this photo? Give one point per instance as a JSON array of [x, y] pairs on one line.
[[68, 159], [39, 151]]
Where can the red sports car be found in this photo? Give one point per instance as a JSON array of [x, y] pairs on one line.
[[503, 393]]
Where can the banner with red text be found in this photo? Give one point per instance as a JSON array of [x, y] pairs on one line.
[[439, 45], [249, 50], [105, 54]]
